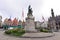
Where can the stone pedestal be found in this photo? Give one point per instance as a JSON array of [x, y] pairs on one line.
[[30, 25]]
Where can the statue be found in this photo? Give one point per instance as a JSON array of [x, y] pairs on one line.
[[29, 10], [30, 23], [52, 12]]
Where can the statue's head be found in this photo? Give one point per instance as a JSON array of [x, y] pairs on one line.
[[51, 9], [29, 7]]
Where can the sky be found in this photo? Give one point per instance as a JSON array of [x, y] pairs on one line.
[[14, 8]]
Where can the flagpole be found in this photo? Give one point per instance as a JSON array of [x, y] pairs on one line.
[[22, 17]]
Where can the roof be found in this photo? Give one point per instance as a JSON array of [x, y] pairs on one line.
[[57, 18]]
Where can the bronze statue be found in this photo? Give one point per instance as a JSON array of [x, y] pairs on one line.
[[52, 12], [29, 10]]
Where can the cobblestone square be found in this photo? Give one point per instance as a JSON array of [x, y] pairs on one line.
[[7, 37]]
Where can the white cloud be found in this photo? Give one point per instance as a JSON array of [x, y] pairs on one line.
[[40, 8]]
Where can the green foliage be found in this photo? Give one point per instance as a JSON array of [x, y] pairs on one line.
[[8, 32], [15, 32], [44, 30]]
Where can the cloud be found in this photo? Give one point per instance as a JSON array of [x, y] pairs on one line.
[[40, 8], [14, 7]]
